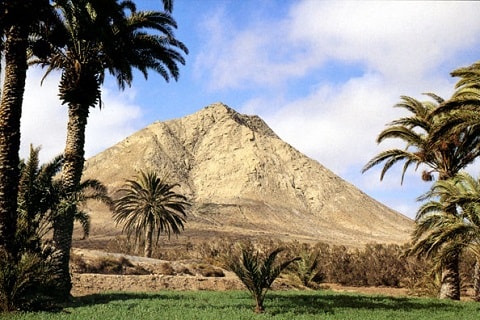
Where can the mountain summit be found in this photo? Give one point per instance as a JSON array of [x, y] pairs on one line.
[[243, 180]]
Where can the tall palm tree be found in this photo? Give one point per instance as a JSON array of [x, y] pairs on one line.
[[103, 36], [148, 206], [17, 20], [438, 232], [445, 157]]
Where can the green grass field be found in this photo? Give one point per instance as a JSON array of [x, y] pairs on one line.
[[238, 305]]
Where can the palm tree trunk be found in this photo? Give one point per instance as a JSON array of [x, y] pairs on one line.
[[450, 282], [148, 241], [476, 281], [10, 114], [259, 305], [71, 177]]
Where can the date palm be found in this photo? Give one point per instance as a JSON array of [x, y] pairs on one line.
[[103, 36], [33, 279], [445, 157], [148, 206], [439, 233]]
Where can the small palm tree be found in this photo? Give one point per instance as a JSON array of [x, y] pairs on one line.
[[32, 280], [41, 198], [308, 269], [89, 189], [257, 273], [148, 206]]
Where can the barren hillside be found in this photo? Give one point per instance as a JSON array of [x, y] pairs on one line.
[[243, 180]]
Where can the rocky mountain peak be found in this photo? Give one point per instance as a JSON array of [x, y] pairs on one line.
[[242, 177]]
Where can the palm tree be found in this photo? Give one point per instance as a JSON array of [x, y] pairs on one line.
[[258, 273], [41, 199], [34, 278], [148, 206], [17, 20], [438, 232], [38, 195], [102, 36], [445, 157]]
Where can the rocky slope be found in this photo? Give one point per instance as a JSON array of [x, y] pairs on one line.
[[243, 180]]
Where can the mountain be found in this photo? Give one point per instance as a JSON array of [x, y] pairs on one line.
[[243, 180]]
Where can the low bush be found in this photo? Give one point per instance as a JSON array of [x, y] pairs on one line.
[[207, 270], [105, 265]]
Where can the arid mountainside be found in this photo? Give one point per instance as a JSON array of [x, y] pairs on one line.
[[243, 180]]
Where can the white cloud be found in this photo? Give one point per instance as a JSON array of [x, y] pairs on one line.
[[245, 56], [399, 40], [403, 40], [402, 48], [44, 119]]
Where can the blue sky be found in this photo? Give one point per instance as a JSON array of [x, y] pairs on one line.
[[324, 75]]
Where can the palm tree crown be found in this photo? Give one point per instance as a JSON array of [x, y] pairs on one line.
[[148, 206], [444, 156], [41, 199], [113, 36]]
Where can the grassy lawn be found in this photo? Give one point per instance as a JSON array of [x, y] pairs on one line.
[[238, 305]]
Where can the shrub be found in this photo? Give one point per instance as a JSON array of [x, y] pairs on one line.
[[207, 270], [166, 269], [28, 283]]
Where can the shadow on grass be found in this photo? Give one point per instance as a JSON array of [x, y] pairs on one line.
[[327, 303], [278, 303], [104, 298]]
